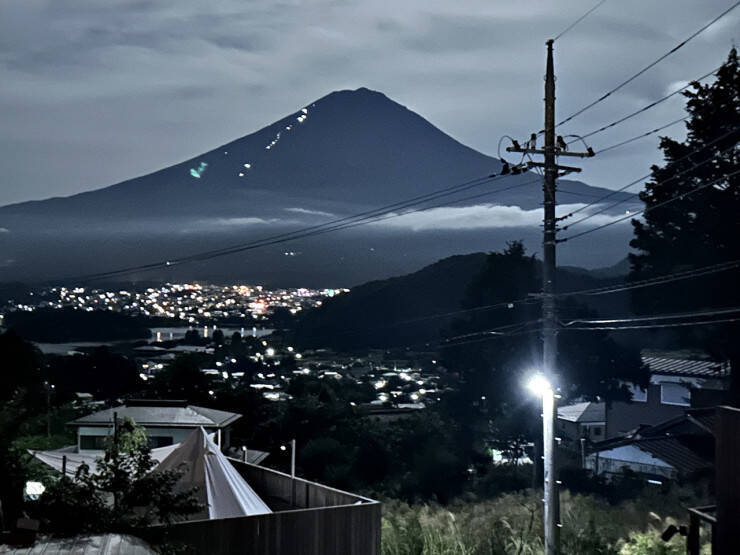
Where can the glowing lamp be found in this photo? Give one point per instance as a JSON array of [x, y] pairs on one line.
[[539, 385]]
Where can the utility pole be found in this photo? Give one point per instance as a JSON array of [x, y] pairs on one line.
[[549, 321], [549, 311]]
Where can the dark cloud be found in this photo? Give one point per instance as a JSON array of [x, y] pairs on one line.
[[96, 92]]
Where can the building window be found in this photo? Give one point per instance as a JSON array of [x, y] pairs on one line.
[[638, 395], [92, 443], [597, 431], [159, 441], [675, 394]]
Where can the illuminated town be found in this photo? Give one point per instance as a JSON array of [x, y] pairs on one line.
[[187, 318], [191, 303]]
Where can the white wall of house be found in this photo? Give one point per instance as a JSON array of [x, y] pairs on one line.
[[612, 461]]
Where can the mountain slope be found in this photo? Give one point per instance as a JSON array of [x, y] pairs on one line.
[[342, 154], [355, 147]]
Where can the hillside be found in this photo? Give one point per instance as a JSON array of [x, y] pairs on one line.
[[405, 310]]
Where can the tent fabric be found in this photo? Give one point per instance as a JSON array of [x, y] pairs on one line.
[[74, 459], [220, 488]]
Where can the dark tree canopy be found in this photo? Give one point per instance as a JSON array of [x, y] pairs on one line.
[[103, 373], [493, 368], [22, 395], [701, 227]]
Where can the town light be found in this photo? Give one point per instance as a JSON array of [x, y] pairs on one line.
[[539, 385]]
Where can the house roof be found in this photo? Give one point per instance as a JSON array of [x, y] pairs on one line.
[[685, 442], [685, 453], [686, 367], [153, 413], [583, 412]]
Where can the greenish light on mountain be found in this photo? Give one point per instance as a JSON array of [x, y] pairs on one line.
[[200, 171]]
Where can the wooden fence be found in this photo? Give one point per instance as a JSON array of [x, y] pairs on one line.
[[309, 519]]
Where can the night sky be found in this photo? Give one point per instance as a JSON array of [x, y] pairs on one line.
[[97, 92]]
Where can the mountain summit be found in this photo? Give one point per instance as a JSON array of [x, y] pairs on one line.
[[339, 155], [357, 145]]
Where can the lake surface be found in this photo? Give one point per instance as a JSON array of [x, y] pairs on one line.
[[158, 334]]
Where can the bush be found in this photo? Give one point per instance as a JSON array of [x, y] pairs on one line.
[[512, 523], [122, 496]]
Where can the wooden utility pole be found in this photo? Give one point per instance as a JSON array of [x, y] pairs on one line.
[[549, 321], [549, 310]]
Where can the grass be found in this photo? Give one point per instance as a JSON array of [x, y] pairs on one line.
[[512, 524]]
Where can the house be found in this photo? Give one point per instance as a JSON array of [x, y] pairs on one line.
[[581, 421], [166, 422], [676, 384], [681, 446]]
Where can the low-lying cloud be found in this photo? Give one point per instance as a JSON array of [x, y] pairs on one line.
[[236, 222], [309, 212], [485, 216]]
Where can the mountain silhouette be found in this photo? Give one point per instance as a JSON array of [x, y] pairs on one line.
[[347, 152]]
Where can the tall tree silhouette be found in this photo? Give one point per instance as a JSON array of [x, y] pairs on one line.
[[701, 227]]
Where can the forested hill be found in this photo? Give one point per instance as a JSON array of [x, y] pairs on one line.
[[405, 310]]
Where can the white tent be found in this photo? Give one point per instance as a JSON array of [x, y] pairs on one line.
[[221, 489]]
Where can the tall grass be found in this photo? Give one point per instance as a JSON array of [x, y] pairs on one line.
[[512, 524]]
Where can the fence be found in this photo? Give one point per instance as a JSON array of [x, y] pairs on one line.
[[308, 519]]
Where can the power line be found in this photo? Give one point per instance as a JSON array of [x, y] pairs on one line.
[[491, 333], [644, 177], [447, 203], [602, 325], [642, 136], [652, 318], [362, 218], [650, 65], [270, 239], [672, 178], [651, 208], [646, 107], [657, 326], [658, 280], [577, 21]]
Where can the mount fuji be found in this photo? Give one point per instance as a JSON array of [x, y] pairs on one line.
[[343, 154]]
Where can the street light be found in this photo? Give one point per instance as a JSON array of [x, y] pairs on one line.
[[541, 387]]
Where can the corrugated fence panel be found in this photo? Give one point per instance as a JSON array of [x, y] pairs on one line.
[[345, 530], [309, 519]]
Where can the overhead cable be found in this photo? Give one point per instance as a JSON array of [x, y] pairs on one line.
[[646, 176], [650, 208], [650, 65], [577, 21], [646, 107], [658, 184]]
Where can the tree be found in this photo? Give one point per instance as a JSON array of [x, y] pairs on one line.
[[218, 337], [490, 401], [192, 337], [700, 225], [182, 379], [103, 373], [22, 395], [123, 495]]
